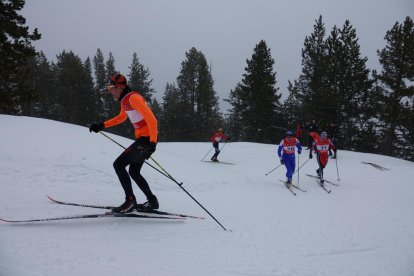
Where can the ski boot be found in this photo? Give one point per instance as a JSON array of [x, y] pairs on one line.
[[288, 183], [151, 204], [127, 207]]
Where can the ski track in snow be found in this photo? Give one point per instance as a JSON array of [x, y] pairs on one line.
[[363, 227]]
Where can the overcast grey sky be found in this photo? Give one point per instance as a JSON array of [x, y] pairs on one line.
[[226, 31]]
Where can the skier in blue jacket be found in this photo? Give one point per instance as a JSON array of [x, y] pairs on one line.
[[286, 152]]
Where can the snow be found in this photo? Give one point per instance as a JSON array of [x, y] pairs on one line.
[[363, 227]]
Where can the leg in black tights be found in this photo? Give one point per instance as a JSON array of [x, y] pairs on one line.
[[132, 156]]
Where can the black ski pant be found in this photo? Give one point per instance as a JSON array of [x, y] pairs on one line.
[[134, 157], [217, 149], [321, 166]]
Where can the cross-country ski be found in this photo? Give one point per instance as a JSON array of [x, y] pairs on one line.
[[325, 181], [89, 216], [111, 207], [381, 168]]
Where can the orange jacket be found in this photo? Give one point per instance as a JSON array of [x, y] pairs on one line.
[[134, 106]]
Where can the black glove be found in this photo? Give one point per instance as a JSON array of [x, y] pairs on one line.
[[96, 127], [310, 156], [228, 138], [149, 149], [282, 161]]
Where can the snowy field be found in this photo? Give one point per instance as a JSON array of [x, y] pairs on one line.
[[363, 227]]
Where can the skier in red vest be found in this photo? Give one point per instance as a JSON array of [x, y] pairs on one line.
[[321, 145], [134, 107], [216, 139]]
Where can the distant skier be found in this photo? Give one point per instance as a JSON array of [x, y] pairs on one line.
[[216, 139], [313, 127], [134, 107], [286, 152], [298, 133], [332, 130], [321, 145]]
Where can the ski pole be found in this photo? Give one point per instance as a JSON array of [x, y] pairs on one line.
[[337, 171], [225, 143], [180, 185], [302, 165], [166, 174], [206, 154], [273, 170], [125, 148], [298, 169], [112, 140]]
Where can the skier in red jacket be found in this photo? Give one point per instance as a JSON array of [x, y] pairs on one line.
[[321, 145], [216, 139]]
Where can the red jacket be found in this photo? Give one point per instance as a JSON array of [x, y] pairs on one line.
[[298, 132], [218, 137], [321, 146]]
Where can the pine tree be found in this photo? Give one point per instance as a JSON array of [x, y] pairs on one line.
[[347, 88], [110, 109], [139, 79], [74, 99], [198, 99], [110, 66], [110, 105], [234, 119], [156, 108], [101, 81], [170, 123], [395, 91], [255, 101], [308, 94], [15, 50], [334, 86], [42, 80]]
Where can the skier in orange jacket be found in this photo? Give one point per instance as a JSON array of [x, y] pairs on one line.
[[134, 107]]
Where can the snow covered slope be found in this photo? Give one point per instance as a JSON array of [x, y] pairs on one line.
[[363, 227]]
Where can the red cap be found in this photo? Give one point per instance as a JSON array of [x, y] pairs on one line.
[[118, 80]]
